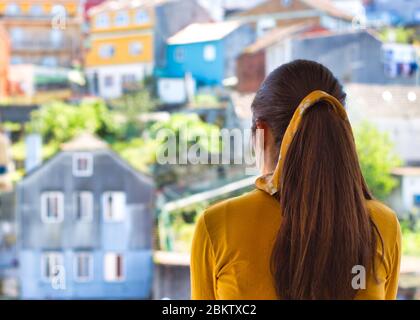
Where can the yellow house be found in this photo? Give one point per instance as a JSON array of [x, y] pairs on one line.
[[128, 39], [121, 45]]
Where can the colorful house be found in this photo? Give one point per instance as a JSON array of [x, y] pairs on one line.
[[4, 62], [127, 40], [85, 226], [252, 63], [43, 32], [272, 14], [357, 56], [207, 51], [386, 12]]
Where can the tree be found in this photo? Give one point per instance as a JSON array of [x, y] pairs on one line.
[[377, 159], [59, 122], [131, 105], [187, 130]]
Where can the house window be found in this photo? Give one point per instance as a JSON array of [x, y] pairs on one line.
[[417, 200], [52, 207], [113, 206], [179, 55], [286, 3], [142, 17], [136, 48], [83, 205], [49, 61], [83, 267], [209, 53], [52, 265], [107, 51], [121, 19], [36, 10], [58, 10], [109, 81], [128, 80], [82, 165], [113, 267], [16, 60], [102, 21], [12, 9], [56, 37], [16, 34]]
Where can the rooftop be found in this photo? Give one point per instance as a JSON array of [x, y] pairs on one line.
[[112, 5], [273, 36], [272, 7], [204, 32], [406, 171], [84, 142]]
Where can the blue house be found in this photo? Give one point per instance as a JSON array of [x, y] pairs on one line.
[[85, 226], [393, 12], [207, 51]]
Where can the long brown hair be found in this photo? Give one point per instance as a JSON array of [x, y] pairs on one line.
[[326, 229]]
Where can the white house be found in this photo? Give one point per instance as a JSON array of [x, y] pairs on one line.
[[406, 198]]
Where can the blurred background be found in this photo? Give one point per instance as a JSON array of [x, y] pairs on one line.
[[87, 211]]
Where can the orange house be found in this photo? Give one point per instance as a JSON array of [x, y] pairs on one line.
[[4, 62]]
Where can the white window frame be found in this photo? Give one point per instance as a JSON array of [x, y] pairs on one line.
[[107, 259], [122, 19], [89, 216], [128, 78], [105, 79], [12, 9], [82, 173], [141, 17], [102, 21], [56, 37], [49, 61], [60, 204], [16, 34], [209, 53], [105, 51], [36, 10], [122, 215], [57, 255], [136, 51], [76, 260], [58, 10]]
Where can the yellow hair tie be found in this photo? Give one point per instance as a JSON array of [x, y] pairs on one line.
[[270, 183]]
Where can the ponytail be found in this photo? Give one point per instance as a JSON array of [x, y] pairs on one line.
[[326, 229]]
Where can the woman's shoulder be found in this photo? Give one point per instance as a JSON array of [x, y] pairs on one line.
[[244, 204], [238, 210], [381, 213], [385, 219]]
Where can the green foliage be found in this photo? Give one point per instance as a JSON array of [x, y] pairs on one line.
[[377, 159], [188, 129], [12, 126], [140, 153], [130, 106], [205, 100], [183, 225], [60, 122], [398, 35], [411, 238]]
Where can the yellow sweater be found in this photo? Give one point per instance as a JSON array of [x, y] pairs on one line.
[[233, 241]]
